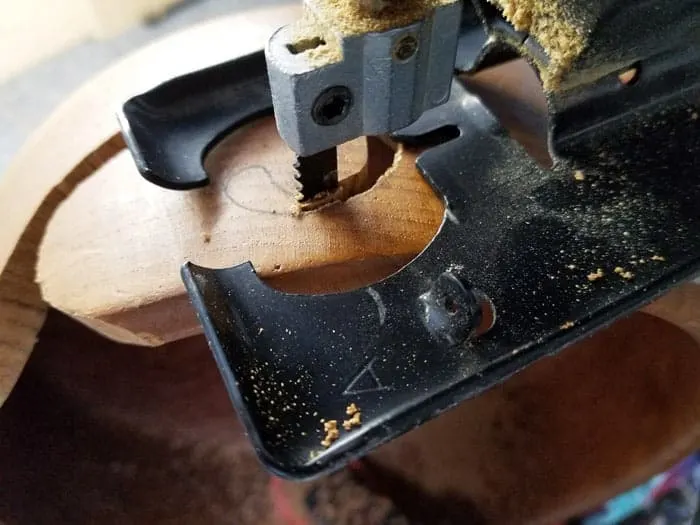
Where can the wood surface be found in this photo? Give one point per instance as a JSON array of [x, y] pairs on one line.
[[129, 252], [74, 142], [127, 256]]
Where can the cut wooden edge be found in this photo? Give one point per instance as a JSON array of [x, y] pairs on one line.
[[173, 318], [63, 152], [86, 121], [119, 272], [22, 309]]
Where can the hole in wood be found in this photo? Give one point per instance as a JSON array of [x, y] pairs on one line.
[[383, 214], [360, 164]]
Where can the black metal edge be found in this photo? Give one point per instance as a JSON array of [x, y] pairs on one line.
[[498, 372], [230, 383], [193, 130], [142, 166]]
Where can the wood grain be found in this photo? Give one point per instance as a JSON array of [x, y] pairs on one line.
[[138, 235], [78, 138], [22, 309], [128, 254], [86, 121]]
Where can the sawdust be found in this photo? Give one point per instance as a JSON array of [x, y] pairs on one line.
[[374, 6], [332, 432], [559, 35], [625, 274], [329, 20], [567, 325], [594, 276], [331, 427], [326, 54], [309, 29], [579, 176], [349, 18], [356, 184], [355, 419], [658, 258]]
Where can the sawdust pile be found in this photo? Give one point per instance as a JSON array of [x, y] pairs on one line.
[[325, 19], [350, 18], [355, 419], [310, 29], [561, 37], [332, 432]]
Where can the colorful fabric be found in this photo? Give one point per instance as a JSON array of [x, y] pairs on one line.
[[670, 498]]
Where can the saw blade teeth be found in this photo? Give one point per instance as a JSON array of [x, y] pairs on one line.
[[316, 173]]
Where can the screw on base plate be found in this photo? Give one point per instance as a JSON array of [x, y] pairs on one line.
[[451, 310]]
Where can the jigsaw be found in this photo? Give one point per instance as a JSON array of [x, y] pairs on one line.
[[622, 83]]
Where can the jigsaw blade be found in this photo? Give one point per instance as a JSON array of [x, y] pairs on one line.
[[316, 174]]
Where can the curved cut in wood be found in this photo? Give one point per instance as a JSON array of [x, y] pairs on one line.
[[87, 120], [118, 271], [22, 309], [78, 138]]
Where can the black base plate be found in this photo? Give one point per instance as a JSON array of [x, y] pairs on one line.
[[404, 349]]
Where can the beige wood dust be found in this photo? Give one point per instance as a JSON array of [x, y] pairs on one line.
[[553, 28], [625, 274], [309, 28], [332, 432], [331, 427], [328, 19], [354, 412], [594, 276]]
